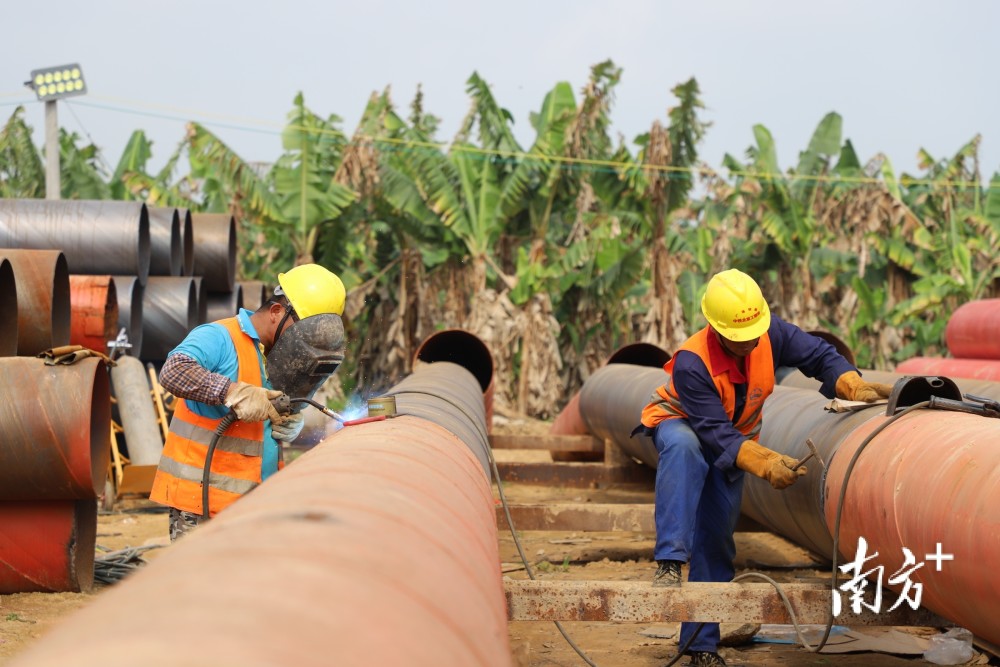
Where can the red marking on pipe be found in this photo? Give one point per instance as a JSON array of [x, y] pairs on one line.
[[364, 420]]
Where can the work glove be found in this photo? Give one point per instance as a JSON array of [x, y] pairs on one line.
[[851, 387], [768, 464], [253, 404], [290, 429]]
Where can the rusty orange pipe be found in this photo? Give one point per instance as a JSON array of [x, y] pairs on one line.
[[383, 527], [972, 329], [47, 545], [467, 350], [933, 477], [974, 369], [43, 311], [8, 306], [93, 311], [55, 423]]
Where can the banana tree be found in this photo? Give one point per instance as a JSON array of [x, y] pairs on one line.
[[22, 174]]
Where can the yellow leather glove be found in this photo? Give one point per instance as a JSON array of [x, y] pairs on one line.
[[768, 464], [253, 404], [851, 387]]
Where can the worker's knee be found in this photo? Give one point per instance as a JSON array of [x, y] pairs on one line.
[[674, 438]]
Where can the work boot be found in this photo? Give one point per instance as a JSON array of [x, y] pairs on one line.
[[706, 659], [668, 574]]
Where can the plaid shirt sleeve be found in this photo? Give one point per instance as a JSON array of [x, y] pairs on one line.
[[185, 378]]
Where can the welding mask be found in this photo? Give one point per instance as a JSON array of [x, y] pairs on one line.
[[305, 355]]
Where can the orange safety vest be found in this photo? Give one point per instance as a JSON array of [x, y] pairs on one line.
[[236, 462], [666, 404]]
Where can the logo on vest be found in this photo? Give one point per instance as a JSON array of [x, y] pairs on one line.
[[755, 395]]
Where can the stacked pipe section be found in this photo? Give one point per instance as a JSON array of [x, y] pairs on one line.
[[973, 339], [42, 301], [386, 526], [56, 434], [929, 478]]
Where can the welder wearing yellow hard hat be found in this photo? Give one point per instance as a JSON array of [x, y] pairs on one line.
[[221, 366], [705, 422]]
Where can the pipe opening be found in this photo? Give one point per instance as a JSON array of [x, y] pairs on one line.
[[8, 304], [176, 256], [640, 354], [143, 248], [462, 348], [60, 302], [100, 426], [845, 351], [187, 241]]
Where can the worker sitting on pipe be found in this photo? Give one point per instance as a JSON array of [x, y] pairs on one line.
[[221, 366], [705, 421]]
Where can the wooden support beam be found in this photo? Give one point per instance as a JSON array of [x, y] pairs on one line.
[[580, 517], [575, 475], [640, 602], [552, 443]]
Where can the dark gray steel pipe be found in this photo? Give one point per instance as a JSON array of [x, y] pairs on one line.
[[143, 437], [130, 292], [170, 311], [187, 242], [219, 305], [165, 250], [215, 250], [97, 237], [43, 304], [255, 293], [201, 294], [8, 306], [611, 403]]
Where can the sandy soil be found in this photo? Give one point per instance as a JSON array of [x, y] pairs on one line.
[[25, 618]]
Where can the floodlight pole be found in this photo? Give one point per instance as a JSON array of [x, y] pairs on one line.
[[52, 186]]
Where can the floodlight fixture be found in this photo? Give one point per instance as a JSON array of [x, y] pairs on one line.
[[55, 83]]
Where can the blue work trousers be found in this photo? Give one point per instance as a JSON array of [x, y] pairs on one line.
[[696, 511]]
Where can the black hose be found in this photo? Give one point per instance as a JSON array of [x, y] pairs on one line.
[[226, 422]]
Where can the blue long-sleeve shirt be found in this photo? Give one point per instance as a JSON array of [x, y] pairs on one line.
[[790, 346]]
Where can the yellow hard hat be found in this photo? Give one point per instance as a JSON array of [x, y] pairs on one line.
[[735, 307], [313, 290]]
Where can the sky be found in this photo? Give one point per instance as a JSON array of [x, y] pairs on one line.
[[904, 74]]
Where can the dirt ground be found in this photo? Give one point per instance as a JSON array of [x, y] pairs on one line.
[[25, 618]]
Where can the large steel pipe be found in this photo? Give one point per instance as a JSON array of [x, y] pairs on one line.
[[973, 330], [383, 525], [43, 309], [255, 293], [569, 421], [219, 305], [170, 311], [129, 292], [611, 403], [166, 251], [143, 438], [984, 388], [215, 250], [47, 545], [976, 369], [97, 237], [201, 295], [93, 311], [187, 242], [8, 306], [56, 425], [467, 350], [929, 483]]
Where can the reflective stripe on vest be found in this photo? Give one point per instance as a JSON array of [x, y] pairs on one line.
[[236, 462], [666, 404]]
